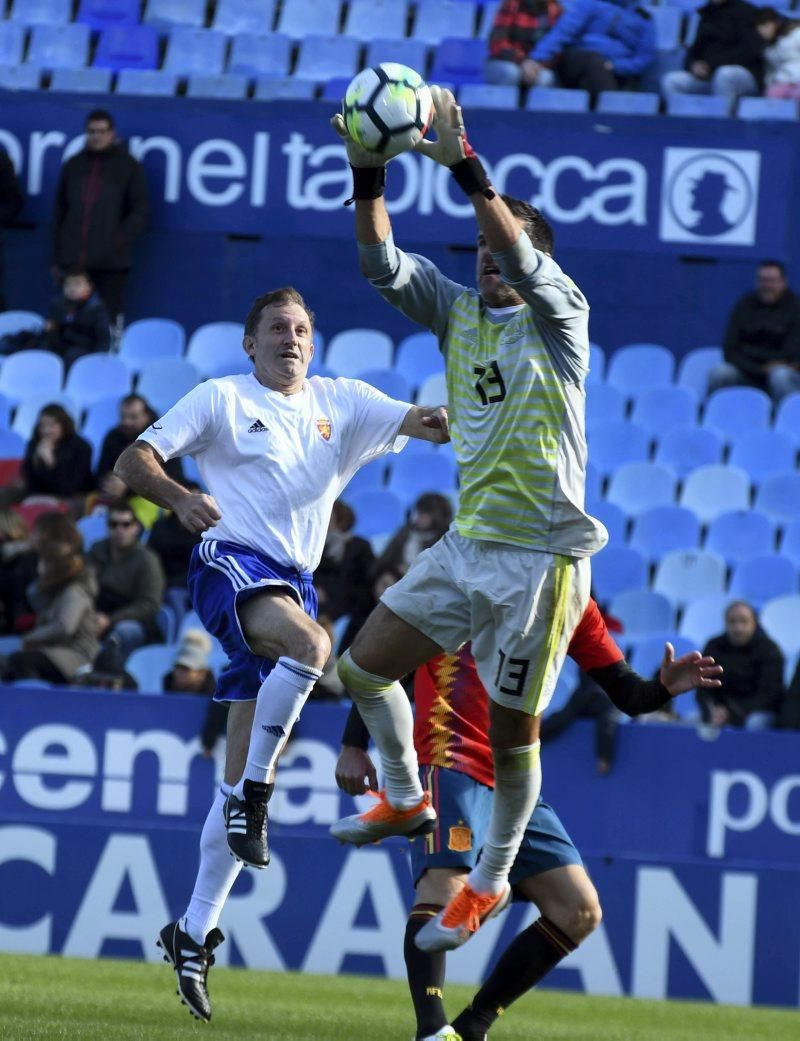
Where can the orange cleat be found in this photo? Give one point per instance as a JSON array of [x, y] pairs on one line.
[[383, 820], [462, 917]]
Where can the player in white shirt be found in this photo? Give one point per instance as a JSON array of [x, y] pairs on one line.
[[275, 450]]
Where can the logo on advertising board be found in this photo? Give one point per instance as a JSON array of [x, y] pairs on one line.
[[710, 195]]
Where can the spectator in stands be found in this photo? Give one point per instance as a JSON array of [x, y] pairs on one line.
[[101, 208], [78, 321], [598, 45], [762, 341], [14, 570], [518, 26], [752, 691], [63, 640], [135, 416], [191, 674], [11, 201], [58, 462], [429, 520], [782, 56], [131, 588], [342, 578], [726, 57], [172, 543]]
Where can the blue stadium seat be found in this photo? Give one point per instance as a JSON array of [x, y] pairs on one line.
[[19, 321], [100, 417], [457, 60], [298, 18], [716, 489], [163, 381], [778, 495], [557, 99], [25, 370], [779, 619], [761, 453], [93, 528], [127, 47], [378, 512], [699, 106], [151, 83], [695, 367], [151, 338], [243, 16], [5, 413], [191, 51], [704, 618], [408, 480], [229, 86], [389, 382], [59, 46], [640, 365], [12, 446], [787, 419], [27, 414], [216, 350], [437, 19], [433, 390], [19, 77], [664, 529], [627, 103], [784, 109], [413, 53], [95, 376], [734, 411], [354, 350], [641, 486], [149, 664], [488, 95], [614, 519], [261, 55], [612, 445], [168, 13], [617, 569], [685, 575], [604, 404], [81, 81], [280, 88], [790, 541], [738, 534], [647, 655], [761, 578], [12, 43], [642, 612], [335, 89], [367, 19], [597, 364], [668, 22], [323, 57], [41, 12], [368, 478], [106, 14], [685, 448], [418, 356], [658, 409]]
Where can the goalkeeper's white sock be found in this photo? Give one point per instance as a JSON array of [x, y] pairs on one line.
[[215, 877]]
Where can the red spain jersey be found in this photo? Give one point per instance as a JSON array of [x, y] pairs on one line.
[[451, 728]]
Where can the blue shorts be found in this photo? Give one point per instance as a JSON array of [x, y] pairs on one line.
[[463, 808], [222, 576]]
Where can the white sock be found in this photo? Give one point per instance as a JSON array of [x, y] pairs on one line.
[[215, 877], [280, 699], [517, 783], [386, 711]]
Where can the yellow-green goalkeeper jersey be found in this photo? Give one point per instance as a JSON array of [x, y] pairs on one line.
[[515, 394]]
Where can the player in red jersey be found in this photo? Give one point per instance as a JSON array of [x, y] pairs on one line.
[[451, 740]]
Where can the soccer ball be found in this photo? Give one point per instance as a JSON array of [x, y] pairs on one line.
[[387, 109]]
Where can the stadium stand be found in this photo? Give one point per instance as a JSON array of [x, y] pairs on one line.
[[149, 338], [242, 16], [386, 19], [127, 47], [107, 14]]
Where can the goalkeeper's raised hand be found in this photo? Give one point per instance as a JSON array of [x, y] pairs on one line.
[[451, 147], [356, 155]]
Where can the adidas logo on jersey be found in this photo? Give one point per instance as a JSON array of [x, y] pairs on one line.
[[257, 428]]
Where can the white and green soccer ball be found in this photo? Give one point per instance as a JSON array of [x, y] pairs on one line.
[[387, 109]]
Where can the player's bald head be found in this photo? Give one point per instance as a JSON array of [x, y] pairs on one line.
[[284, 295]]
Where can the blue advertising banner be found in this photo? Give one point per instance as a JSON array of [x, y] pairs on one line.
[[693, 846], [719, 187]]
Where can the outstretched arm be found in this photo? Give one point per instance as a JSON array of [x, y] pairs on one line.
[[142, 469]]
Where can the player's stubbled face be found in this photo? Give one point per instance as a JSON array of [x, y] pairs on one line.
[[493, 290], [282, 348]]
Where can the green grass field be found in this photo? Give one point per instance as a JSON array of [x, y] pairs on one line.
[[49, 999]]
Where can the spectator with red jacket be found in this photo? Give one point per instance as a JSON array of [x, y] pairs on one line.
[[518, 27]]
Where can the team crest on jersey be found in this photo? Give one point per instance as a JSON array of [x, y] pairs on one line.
[[324, 427], [460, 840]]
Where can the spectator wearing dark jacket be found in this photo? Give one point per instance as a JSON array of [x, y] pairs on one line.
[[518, 27], [101, 208], [762, 341], [78, 321], [597, 45], [726, 57], [751, 695], [135, 416], [11, 201], [57, 461], [342, 579], [429, 520]]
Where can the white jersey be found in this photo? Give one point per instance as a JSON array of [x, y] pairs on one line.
[[276, 463]]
